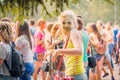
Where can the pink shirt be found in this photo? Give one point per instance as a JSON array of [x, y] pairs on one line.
[[38, 47]]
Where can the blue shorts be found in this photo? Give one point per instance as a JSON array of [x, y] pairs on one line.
[[29, 69], [98, 57], [38, 57], [35, 56]]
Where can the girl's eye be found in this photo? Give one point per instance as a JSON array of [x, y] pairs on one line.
[[69, 23], [63, 23]]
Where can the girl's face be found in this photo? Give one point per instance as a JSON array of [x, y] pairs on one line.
[[107, 27], [42, 25], [67, 24]]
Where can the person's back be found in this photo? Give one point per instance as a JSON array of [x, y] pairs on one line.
[[6, 38], [5, 49], [23, 43]]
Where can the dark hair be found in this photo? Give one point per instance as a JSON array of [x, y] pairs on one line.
[[94, 27], [80, 23], [32, 21], [24, 30], [79, 16]]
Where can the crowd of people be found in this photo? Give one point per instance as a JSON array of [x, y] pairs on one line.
[[64, 44]]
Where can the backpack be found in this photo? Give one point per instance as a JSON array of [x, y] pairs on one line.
[[16, 68], [91, 59]]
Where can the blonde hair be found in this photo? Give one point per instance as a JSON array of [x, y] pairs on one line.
[[6, 32], [70, 14], [108, 26], [55, 27], [41, 20], [49, 26]]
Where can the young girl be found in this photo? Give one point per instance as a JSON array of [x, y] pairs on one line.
[[39, 49], [74, 50], [5, 49], [97, 42], [23, 43]]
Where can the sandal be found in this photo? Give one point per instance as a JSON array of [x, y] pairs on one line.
[[113, 78], [106, 74]]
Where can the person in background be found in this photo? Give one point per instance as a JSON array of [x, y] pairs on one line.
[[52, 44], [108, 54], [118, 49], [5, 49], [116, 29], [24, 43], [74, 50], [95, 40], [39, 49], [85, 40], [32, 27], [6, 19]]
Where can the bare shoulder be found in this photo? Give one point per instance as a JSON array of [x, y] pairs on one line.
[[74, 33]]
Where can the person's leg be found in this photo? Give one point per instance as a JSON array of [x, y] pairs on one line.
[[92, 74], [107, 60], [115, 50], [119, 63], [43, 75], [119, 67], [87, 71], [38, 63], [110, 46], [85, 66], [99, 67], [105, 73]]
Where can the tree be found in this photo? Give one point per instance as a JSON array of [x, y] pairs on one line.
[[22, 8], [29, 7]]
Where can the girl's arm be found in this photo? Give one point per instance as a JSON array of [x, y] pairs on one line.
[[94, 40], [77, 42]]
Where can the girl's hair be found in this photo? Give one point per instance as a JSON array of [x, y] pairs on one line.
[[49, 26], [24, 30], [108, 26], [70, 14], [41, 20], [95, 30], [80, 23], [6, 32], [55, 27]]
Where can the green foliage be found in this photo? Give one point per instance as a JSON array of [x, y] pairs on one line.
[[90, 10], [29, 7], [94, 10]]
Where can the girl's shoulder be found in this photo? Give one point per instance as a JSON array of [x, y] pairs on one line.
[[74, 32], [91, 35]]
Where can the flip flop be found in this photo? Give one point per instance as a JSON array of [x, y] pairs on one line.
[[105, 75]]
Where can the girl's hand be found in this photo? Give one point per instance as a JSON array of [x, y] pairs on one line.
[[54, 56], [56, 42]]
